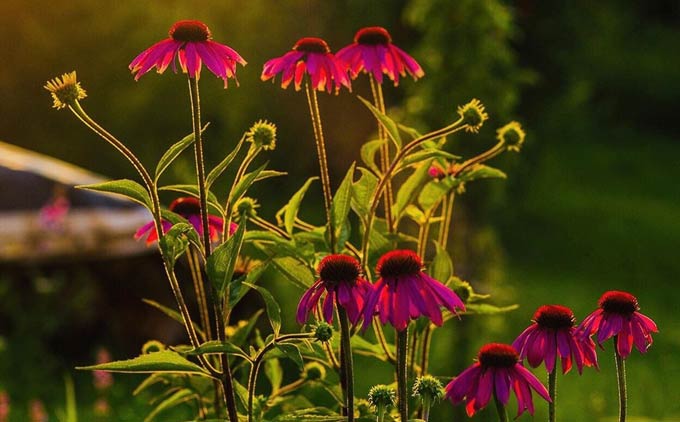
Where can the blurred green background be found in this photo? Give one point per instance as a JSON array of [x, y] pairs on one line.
[[592, 203]]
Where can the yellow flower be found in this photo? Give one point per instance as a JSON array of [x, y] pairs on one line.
[[65, 90]]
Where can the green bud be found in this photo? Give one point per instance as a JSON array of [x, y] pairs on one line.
[[428, 389], [382, 397], [246, 207], [314, 371], [512, 135], [473, 115], [323, 332], [152, 346], [262, 135]]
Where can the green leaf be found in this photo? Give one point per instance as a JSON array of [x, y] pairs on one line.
[[441, 267], [181, 396], [362, 192], [368, 151], [245, 183], [415, 214], [124, 187], [71, 407], [389, 124], [176, 241], [423, 155], [274, 373], [267, 174], [289, 350], [222, 166], [291, 209], [237, 290], [192, 190], [273, 308], [487, 309], [295, 271], [215, 346], [408, 190], [412, 132], [149, 381], [220, 265], [163, 361], [172, 314], [173, 152], [340, 205], [481, 171], [433, 192], [242, 331]]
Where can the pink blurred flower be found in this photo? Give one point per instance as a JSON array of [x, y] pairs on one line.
[[37, 411], [312, 56], [4, 406], [551, 335], [496, 371], [404, 292], [340, 279], [190, 42], [101, 407], [102, 380], [618, 316], [189, 208], [373, 52], [54, 212]]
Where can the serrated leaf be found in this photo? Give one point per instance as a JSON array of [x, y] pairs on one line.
[[215, 346], [409, 188], [124, 187], [164, 361], [224, 164], [390, 126], [181, 396], [340, 205], [362, 192], [441, 267], [290, 211], [273, 308], [295, 271], [192, 190], [220, 265], [173, 314], [173, 152], [368, 151]]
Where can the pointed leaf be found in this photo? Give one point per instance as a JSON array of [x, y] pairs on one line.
[[412, 132], [362, 193], [124, 187], [408, 190], [224, 164], [340, 205], [434, 191], [423, 155], [481, 171], [176, 241], [245, 183], [368, 151], [295, 271], [289, 350], [441, 267], [390, 126], [237, 290], [173, 314], [273, 308], [181, 396], [173, 152], [290, 211], [220, 265], [488, 309], [215, 346], [268, 174], [163, 361]]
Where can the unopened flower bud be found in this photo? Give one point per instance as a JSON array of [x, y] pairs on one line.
[[382, 398], [323, 332], [512, 135], [65, 90], [152, 346], [428, 388], [473, 115], [246, 207], [262, 135], [314, 371]]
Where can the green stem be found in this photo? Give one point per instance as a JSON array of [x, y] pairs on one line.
[[313, 103], [252, 380], [379, 103], [225, 376], [485, 156], [200, 163], [380, 335], [425, 352], [454, 127], [621, 378], [402, 386], [552, 390], [250, 157], [502, 414], [348, 365], [201, 298]]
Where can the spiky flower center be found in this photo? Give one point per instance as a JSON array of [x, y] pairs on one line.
[[65, 90], [619, 302], [512, 135], [399, 263], [311, 45], [473, 114], [498, 355], [555, 317], [382, 397], [186, 206], [190, 30], [262, 134], [373, 35], [338, 268]]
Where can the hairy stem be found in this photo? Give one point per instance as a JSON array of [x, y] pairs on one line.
[[347, 363], [201, 298], [380, 335], [621, 378], [402, 378], [500, 408], [200, 162], [379, 103], [313, 103], [425, 351], [552, 390]]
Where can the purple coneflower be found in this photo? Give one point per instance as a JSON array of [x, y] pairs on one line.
[[312, 56], [551, 335], [190, 42], [189, 208], [373, 52], [618, 316], [404, 292], [340, 278], [496, 371]]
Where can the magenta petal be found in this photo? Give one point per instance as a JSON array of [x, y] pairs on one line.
[[533, 381], [305, 304], [328, 304], [536, 348], [502, 385], [520, 342], [550, 350], [459, 387], [485, 388]]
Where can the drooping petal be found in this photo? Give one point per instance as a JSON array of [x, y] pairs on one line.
[[502, 384], [306, 303]]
